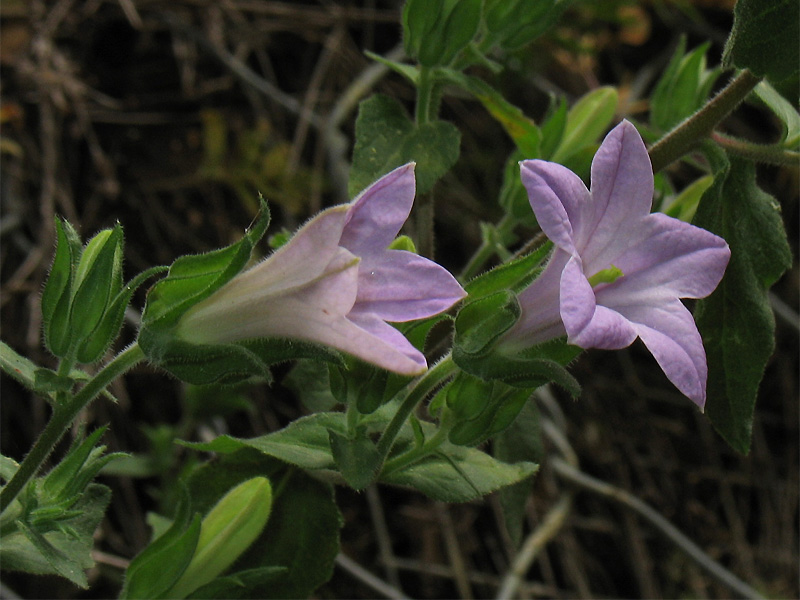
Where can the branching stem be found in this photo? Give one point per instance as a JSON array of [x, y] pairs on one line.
[[62, 417]]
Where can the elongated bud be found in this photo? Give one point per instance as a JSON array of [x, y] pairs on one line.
[[225, 533]]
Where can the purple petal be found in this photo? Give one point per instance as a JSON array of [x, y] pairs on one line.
[[669, 332], [377, 214], [305, 312], [670, 259], [385, 346], [541, 317], [400, 286], [588, 324], [622, 189], [558, 198], [302, 259]]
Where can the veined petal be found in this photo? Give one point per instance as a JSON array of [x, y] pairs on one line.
[[622, 189], [670, 333], [588, 324], [301, 260], [672, 259], [559, 200], [375, 217], [396, 285]]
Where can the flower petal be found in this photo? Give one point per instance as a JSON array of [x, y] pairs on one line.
[[671, 259], [588, 324], [385, 346], [375, 217], [400, 286], [558, 198], [301, 260], [303, 312], [541, 318], [670, 333], [622, 190]]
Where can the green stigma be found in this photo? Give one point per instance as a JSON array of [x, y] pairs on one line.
[[609, 275]]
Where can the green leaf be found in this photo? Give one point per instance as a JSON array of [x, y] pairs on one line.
[[736, 321], [17, 366], [310, 382], [521, 441], [459, 474], [153, 571], [587, 120], [8, 466], [195, 277], [514, 275], [357, 458], [57, 293], [511, 24], [685, 204], [764, 38], [522, 130], [65, 552], [784, 110], [240, 584], [97, 281], [107, 330], [386, 138], [434, 31], [480, 323], [683, 88]]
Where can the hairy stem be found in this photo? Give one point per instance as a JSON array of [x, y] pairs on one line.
[[685, 136], [424, 385], [62, 417]]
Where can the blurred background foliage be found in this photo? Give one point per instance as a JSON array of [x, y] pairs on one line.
[[170, 116]]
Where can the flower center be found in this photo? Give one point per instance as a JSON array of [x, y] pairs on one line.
[[609, 275]]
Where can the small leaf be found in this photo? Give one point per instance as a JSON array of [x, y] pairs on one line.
[[239, 585], [522, 130], [459, 474], [96, 281], [357, 458], [586, 122], [310, 381], [784, 110], [480, 323], [55, 313], [153, 571]]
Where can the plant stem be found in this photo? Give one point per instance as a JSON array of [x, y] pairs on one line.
[[424, 207], [444, 369], [762, 153], [683, 138], [62, 417], [417, 453]]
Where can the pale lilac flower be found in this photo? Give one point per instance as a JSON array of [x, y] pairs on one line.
[[618, 271], [336, 283]]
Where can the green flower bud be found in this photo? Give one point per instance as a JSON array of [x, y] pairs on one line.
[[225, 533]]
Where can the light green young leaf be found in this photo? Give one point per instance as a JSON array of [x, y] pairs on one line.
[[587, 120], [784, 110]]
